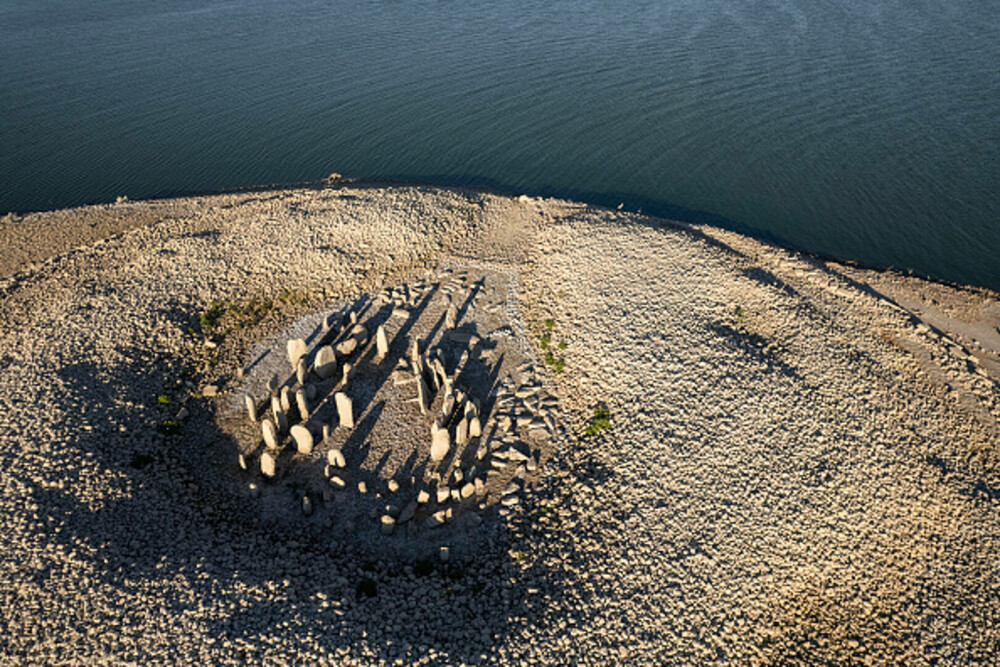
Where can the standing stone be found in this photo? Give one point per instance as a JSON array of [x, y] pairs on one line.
[[307, 506], [345, 409], [301, 370], [286, 399], [475, 427], [296, 350], [270, 433], [448, 406], [388, 524], [360, 333], [267, 464], [414, 352], [273, 383], [451, 317], [381, 343], [303, 439], [281, 421], [326, 432], [346, 347], [348, 374], [326, 362], [302, 403], [423, 395], [251, 407], [440, 442], [462, 432]]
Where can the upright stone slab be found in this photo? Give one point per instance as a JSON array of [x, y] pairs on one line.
[[287, 399], [475, 427], [326, 362], [296, 350], [301, 370], [270, 433], [381, 343], [251, 406], [415, 352], [268, 464], [423, 395], [451, 317], [335, 458], [281, 421], [440, 442], [345, 409], [302, 403], [462, 432], [303, 439]]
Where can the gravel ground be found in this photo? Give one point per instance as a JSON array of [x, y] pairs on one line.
[[800, 463]]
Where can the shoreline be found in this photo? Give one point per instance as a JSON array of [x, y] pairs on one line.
[[800, 459], [11, 218]]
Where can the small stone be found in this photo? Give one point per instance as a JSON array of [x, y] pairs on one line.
[[307, 506], [444, 554], [346, 347], [327, 432], [335, 457], [303, 439], [381, 343], [443, 493], [348, 374], [468, 490], [435, 520], [268, 464], [337, 481], [210, 390], [401, 313], [408, 512], [182, 414], [456, 494], [345, 409], [423, 496], [242, 461], [393, 485], [270, 433], [296, 350], [251, 407], [362, 487], [254, 489], [388, 524], [510, 501], [326, 362]]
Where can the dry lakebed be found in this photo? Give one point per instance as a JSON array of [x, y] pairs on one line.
[[374, 424]]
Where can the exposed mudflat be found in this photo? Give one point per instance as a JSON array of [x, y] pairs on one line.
[[798, 461]]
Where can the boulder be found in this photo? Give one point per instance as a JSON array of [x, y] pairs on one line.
[[443, 493], [335, 458], [346, 347], [326, 362], [475, 427], [423, 497], [303, 439], [251, 406], [468, 490]]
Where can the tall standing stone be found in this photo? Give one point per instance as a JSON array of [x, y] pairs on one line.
[[326, 362], [462, 432], [440, 442], [303, 439], [451, 317], [302, 403], [287, 399], [423, 395], [296, 350], [281, 421], [268, 464], [301, 370], [381, 343], [270, 433], [345, 409], [251, 407]]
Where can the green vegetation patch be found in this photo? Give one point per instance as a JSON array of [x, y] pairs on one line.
[[170, 427], [600, 421], [163, 399]]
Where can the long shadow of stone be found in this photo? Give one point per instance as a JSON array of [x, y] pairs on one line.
[[756, 347], [183, 495]]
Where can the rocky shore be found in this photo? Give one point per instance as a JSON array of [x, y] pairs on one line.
[[691, 447]]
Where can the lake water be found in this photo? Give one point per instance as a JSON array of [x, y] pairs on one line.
[[858, 129]]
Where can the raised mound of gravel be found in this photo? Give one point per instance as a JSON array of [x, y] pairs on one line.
[[768, 458]]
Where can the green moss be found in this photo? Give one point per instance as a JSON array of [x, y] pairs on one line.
[[550, 324], [162, 399], [600, 421], [170, 427]]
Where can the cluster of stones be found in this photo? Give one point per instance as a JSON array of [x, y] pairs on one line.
[[462, 458]]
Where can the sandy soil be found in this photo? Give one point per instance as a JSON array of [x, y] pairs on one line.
[[800, 464]]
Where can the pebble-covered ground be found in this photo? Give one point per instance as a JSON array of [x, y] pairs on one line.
[[773, 459]]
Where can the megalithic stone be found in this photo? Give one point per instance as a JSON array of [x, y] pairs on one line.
[[345, 409], [423, 394], [348, 374], [451, 317], [268, 464], [381, 343], [251, 407], [462, 432], [270, 433], [287, 399], [303, 439], [326, 362], [440, 442], [415, 351], [302, 403], [296, 350], [281, 421], [475, 427], [301, 370]]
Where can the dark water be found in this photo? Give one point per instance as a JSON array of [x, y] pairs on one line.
[[864, 130]]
